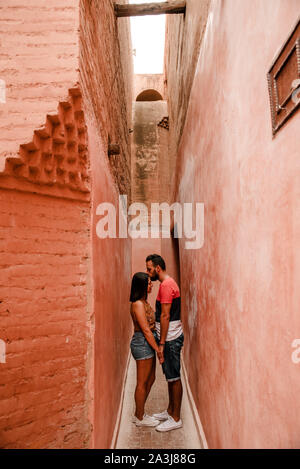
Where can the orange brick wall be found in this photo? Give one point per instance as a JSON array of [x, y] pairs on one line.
[[44, 321]]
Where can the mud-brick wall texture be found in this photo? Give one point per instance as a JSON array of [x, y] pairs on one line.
[[44, 321], [106, 75], [60, 388], [240, 291], [45, 231]]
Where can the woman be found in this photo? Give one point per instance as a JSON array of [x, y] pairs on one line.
[[143, 345]]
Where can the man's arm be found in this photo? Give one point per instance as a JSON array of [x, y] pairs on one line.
[[166, 299], [164, 321], [164, 326]]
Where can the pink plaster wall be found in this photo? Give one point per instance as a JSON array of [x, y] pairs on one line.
[[241, 290], [170, 254], [111, 278], [184, 34]]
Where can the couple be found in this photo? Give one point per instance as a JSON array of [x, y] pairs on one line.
[[159, 332]]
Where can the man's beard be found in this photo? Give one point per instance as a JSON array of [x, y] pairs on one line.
[[155, 277]]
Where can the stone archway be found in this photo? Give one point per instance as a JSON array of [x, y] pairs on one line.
[[149, 95]]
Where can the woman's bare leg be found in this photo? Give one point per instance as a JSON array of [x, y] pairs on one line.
[[143, 368], [151, 377]]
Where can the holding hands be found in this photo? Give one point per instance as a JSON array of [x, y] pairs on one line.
[[160, 354]]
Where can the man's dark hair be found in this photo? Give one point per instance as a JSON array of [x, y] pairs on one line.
[[139, 286], [156, 260]]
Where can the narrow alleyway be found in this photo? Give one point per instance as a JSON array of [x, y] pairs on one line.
[[133, 437]]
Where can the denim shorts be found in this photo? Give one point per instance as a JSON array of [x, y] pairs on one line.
[[140, 348], [171, 365]]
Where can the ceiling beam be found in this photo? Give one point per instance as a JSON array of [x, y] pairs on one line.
[[171, 7]]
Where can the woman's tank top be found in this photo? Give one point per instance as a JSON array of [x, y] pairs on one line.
[[150, 315]]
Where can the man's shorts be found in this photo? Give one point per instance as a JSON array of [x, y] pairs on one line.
[[171, 365], [140, 348]]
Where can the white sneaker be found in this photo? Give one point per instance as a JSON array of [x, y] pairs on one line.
[[168, 425], [161, 416], [147, 421]]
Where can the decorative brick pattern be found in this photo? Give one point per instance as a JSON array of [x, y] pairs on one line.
[[57, 155]]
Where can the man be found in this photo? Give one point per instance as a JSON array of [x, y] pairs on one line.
[[170, 339]]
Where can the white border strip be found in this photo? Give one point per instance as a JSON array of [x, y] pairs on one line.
[[118, 421], [197, 420]]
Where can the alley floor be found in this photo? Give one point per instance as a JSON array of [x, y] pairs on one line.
[[133, 437]]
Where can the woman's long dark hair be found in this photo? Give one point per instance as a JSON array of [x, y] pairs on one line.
[[139, 286]]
